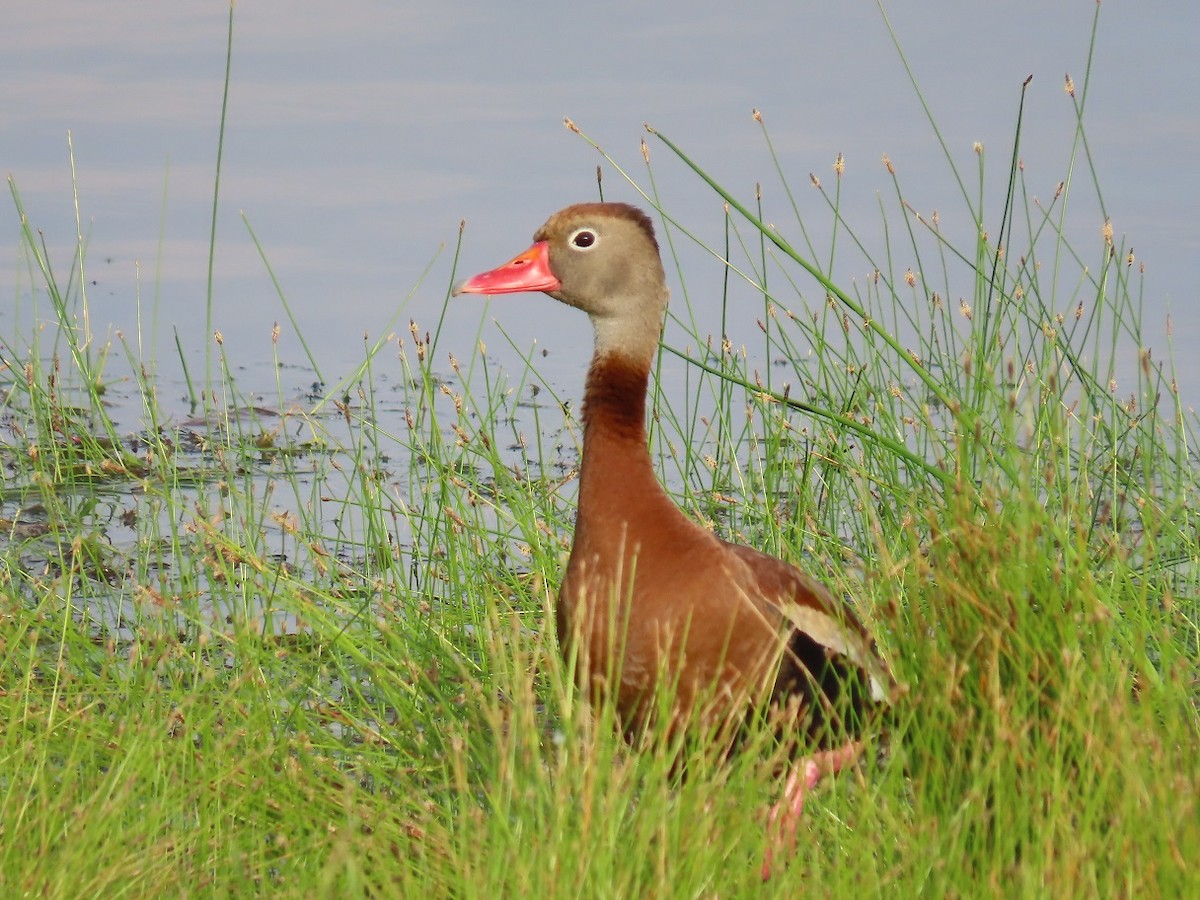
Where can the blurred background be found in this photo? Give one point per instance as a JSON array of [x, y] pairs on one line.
[[359, 134]]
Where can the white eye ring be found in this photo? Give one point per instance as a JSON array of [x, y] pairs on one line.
[[587, 235]]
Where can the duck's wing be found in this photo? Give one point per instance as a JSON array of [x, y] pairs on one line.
[[820, 620]]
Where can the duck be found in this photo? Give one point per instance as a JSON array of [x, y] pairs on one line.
[[651, 601]]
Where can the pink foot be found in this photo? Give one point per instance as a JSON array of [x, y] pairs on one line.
[[784, 816]]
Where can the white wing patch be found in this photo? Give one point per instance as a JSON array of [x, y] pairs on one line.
[[828, 631], [825, 628]]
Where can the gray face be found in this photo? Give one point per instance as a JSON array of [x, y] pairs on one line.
[[607, 259]]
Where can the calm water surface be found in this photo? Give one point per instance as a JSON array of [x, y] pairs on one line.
[[360, 134]]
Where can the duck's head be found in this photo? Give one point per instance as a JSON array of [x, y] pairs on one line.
[[598, 257]]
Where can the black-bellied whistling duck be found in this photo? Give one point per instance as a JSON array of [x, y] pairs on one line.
[[650, 597]]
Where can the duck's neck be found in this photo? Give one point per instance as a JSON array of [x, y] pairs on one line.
[[616, 470], [614, 399]]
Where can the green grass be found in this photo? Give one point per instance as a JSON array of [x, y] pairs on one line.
[[317, 661]]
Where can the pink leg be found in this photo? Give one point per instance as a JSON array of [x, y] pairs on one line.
[[785, 814]]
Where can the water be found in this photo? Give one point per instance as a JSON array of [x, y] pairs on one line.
[[357, 140], [359, 136]]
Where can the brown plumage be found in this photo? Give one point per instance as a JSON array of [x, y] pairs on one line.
[[648, 595]]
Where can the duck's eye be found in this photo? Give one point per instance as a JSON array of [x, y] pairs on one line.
[[584, 239]]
